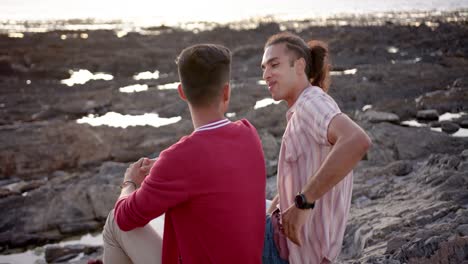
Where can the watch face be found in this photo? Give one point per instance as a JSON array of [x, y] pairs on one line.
[[299, 201]]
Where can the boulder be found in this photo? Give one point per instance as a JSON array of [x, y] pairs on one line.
[[377, 117], [55, 254], [463, 230], [464, 153], [428, 115], [391, 142], [449, 127], [464, 123], [75, 203], [399, 168]]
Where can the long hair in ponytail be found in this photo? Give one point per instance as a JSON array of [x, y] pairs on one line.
[[315, 53], [320, 64]]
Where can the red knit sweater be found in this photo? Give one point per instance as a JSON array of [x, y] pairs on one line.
[[211, 187]]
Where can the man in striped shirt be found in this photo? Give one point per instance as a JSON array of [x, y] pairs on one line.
[[320, 147]]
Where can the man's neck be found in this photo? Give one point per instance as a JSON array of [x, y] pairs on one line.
[[204, 116], [297, 92]]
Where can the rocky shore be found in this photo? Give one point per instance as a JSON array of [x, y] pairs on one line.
[[59, 178]]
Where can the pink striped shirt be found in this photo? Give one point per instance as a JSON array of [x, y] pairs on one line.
[[304, 148]]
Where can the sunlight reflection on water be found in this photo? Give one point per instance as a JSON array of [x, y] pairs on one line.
[[114, 119], [462, 132], [135, 88], [147, 75], [168, 86], [83, 76], [265, 102]]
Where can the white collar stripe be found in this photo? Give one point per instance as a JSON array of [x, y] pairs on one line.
[[214, 125]]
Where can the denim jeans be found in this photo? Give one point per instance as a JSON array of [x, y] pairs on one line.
[[270, 252]]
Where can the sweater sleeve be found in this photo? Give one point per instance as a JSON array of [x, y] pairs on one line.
[[162, 189]]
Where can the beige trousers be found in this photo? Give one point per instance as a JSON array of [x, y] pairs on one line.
[[139, 246]]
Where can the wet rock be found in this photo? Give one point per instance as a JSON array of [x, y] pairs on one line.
[[271, 167], [463, 230], [6, 68], [362, 201], [463, 166], [8, 164], [355, 240], [34, 148], [270, 145], [418, 248], [452, 100], [79, 145], [464, 154], [394, 244], [443, 162], [100, 199], [452, 251], [81, 107], [392, 142], [464, 123], [54, 254], [11, 239], [78, 227], [24, 186], [449, 127], [435, 124], [377, 117], [267, 117], [74, 204], [45, 114], [378, 191], [399, 168], [6, 192], [427, 115], [433, 195], [271, 188], [271, 150]]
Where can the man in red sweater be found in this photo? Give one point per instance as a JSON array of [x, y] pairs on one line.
[[210, 184]]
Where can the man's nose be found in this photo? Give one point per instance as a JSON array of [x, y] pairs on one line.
[[266, 74]]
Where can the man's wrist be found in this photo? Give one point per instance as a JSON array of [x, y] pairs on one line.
[[127, 183], [301, 202]]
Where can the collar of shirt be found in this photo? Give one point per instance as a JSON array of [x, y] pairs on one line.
[[292, 109], [214, 125]]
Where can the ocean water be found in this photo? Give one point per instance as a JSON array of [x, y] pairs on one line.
[[176, 11]]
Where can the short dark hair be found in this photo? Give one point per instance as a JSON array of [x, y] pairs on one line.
[[203, 69]]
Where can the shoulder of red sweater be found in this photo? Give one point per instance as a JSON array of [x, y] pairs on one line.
[[244, 122]]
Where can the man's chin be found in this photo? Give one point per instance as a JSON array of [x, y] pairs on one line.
[[275, 97]]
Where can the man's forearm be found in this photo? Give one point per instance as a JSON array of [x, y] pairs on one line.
[[345, 155]]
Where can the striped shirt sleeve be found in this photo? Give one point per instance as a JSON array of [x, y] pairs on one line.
[[315, 114]]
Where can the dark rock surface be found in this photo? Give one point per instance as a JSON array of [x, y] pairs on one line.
[[417, 218], [57, 254], [59, 178]]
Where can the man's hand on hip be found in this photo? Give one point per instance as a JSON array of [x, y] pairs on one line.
[[292, 220]]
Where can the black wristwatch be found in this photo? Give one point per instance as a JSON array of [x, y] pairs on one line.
[[301, 202]]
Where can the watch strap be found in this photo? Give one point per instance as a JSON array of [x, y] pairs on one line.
[[304, 203]]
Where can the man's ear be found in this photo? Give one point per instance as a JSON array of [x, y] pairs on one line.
[[226, 92], [300, 65], [226, 96], [181, 92]]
